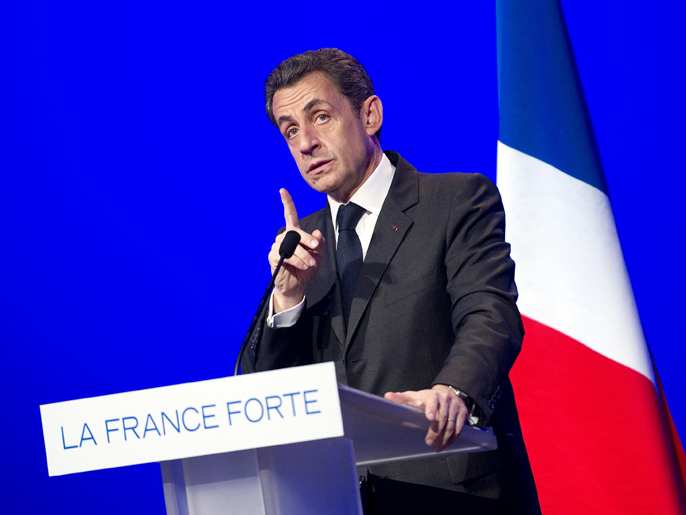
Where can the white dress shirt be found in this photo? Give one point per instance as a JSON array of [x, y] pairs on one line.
[[371, 197]]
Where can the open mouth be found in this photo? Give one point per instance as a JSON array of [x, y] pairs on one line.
[[317, 167]]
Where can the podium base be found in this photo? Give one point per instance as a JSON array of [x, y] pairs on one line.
[[306, 478]]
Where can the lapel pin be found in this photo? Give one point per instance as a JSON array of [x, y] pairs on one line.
[[395, 228]]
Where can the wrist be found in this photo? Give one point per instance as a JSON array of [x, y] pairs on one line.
[[285, 302]]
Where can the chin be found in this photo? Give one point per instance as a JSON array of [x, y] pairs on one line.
[[323, 186]]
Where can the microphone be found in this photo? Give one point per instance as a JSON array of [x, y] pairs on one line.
[[288, 245], [286, 250]]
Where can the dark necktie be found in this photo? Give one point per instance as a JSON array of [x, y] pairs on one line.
[[348, 253]]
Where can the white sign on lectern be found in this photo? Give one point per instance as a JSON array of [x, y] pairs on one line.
[[194, 419]]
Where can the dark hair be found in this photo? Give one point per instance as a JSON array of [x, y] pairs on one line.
[[343, 70]]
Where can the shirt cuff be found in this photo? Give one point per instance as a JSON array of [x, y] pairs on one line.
[[286, 318]]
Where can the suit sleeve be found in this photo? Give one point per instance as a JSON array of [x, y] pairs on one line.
[[270, 349], [480, 281]]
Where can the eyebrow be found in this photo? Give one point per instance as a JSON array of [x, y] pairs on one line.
[[283, 119], [312, 103]]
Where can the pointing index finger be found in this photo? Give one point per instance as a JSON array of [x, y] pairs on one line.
[[289, 211]]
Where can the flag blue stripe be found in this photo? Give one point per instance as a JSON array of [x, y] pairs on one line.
[[543, 111]]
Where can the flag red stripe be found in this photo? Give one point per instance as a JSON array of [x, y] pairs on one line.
[[674, 435], [594, 429]]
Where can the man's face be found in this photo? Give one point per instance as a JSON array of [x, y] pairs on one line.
[[330, 145]]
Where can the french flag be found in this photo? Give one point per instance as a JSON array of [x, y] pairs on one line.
[[597, 431]]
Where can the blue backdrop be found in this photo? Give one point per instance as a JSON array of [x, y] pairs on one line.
[[140, 177]]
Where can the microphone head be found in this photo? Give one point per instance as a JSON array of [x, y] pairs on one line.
[[289, 244]]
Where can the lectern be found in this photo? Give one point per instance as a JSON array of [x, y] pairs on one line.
[[274, 443]]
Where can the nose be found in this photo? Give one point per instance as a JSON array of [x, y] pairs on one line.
[[309, 140]]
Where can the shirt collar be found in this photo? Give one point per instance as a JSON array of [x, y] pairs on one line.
[[372, 193]]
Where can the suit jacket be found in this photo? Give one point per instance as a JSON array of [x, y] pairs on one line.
[[435, 304]]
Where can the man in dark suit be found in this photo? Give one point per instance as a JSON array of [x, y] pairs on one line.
[[404, 281]]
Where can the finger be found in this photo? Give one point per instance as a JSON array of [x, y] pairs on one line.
[[304, 255], [409, 397], [462, 416], [301, 259], [289, 211], [307, 240], [274, 256], [319, 237], [431, 407], [440, 423], [432, 435], [399, 397], [455, 432], [451, 432], [442, 412], [307, 257], [293, 261]]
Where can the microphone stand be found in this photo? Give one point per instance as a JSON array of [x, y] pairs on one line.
[[286, 250]]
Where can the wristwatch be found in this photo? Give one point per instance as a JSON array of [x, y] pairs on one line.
[[474, 415]]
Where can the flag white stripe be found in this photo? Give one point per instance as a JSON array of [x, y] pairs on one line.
[[570, 270]]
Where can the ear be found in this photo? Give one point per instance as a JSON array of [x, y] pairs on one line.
[[371, 115]]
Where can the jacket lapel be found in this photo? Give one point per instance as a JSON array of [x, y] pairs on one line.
[[389, 232]]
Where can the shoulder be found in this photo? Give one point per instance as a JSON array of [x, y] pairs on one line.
[[455, 185], [458, 190], [457, 198], [448, 186]]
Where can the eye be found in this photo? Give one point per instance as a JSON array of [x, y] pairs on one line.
[[292, 132], [321, 117]]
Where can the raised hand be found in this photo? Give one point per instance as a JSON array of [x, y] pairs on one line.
[[445, 410], [297, 270]]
